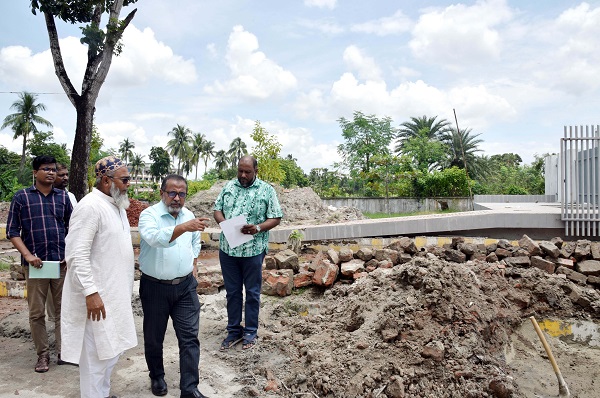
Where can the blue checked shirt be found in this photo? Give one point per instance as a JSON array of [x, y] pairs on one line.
[[41, 222]]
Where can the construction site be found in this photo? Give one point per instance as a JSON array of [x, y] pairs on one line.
[[443, 305]]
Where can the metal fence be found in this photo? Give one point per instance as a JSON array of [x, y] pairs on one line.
[[580, 172]]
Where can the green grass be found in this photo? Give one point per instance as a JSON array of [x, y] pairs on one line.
[[4, 266], [415, 213]]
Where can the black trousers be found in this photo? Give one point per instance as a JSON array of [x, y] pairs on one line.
[[180, 302]]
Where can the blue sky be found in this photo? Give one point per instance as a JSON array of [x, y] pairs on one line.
[[515, 72]]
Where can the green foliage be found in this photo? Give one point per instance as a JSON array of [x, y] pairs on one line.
[[266, 151], [508, 177], [427, 126], [365, 136], [43, 143], [9, 185], [294, 175], [426, 153], [450, 182], [160, 162], [195, 186]]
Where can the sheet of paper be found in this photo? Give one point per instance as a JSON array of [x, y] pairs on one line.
[[232, 229], [49, 270]]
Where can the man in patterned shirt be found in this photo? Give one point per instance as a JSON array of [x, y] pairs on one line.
[[242, 265], [37, 224]]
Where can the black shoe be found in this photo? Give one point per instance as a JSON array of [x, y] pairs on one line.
[[194, 394], [159, 387]]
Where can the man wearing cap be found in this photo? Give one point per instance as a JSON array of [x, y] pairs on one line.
[[97, 318], [169, 247]]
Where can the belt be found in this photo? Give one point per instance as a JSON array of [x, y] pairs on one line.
[[175, 281]]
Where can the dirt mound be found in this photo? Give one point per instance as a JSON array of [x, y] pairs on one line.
[[299, 205], [428, 328]]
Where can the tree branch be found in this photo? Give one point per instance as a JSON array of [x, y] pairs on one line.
[[59, 65]]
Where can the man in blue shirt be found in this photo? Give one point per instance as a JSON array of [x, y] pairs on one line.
[[37, 225], [242, 265], [170, 244]]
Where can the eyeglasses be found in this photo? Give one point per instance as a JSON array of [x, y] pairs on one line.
[[48, 169], [172, 194], [124, 180]]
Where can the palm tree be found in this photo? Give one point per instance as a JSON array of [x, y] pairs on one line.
[[237, 149], [221, 160], [462, 151], [137, 165], [125, 148], [23, 122], [198, 141], [179, 144], [432, 129], [208, 151]]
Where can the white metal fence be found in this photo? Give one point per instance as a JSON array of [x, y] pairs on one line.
[[580, 171]]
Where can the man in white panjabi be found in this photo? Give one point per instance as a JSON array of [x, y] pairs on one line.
[[97, 318]]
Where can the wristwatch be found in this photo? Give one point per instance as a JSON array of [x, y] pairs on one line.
[[257, 228]]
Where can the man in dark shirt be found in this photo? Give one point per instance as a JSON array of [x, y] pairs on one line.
[[37, 224]]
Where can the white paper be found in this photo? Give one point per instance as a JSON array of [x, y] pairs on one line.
[[232, 229]]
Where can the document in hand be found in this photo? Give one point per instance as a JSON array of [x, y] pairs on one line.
[[232, 229], [49, 270]]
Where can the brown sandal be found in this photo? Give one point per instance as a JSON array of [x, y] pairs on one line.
[[42, 364]]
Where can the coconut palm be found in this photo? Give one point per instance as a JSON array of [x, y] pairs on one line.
[[432, 129], [208, 151], [179, 144], [237, 149], [221, 160], [125, 149], [137, 165], [198, 141], [23, 121]]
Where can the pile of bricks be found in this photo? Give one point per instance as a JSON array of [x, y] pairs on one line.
[[578, 261]]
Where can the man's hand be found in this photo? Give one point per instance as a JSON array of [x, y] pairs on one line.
[[95, 307], [197, 224], [249, 229], [33, 260]]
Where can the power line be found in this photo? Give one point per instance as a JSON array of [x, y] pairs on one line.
[[30, 92]]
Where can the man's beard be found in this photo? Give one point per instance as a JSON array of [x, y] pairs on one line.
[[173, 210], [121, 200]]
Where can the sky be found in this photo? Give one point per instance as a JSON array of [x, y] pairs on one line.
[[515, 72]]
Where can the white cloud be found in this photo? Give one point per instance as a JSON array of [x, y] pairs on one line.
[[395, 24], [253, 75], [113, 133], [323, 25], [460, 34], [321, 3], [365, 66], [144, 58]]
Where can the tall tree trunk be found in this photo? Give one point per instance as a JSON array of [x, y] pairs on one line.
[[81, 148], [22, 164]]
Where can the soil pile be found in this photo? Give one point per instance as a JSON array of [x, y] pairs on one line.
[[299, 205], [428, 328]]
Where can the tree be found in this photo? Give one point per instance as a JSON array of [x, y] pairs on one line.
[[266, 152], [137, 165], [23, 122], [507, 159], [426, 153], [221, 160], [102, 45], [43, 143], [365, 136], [179, 145], [161, 162], [419, 126], [294, 175], [208, 151], [237, 149], [198, 141], [462, 152], [125, 149]]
